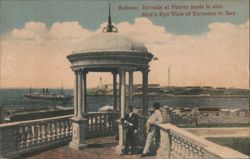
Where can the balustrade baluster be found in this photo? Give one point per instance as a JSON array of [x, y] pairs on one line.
[[49, 131], [54, 130], [66, 128], [96, 123], [188, 152], [200, 153], [178, 151], [196, 152], [29, 136], [186, 149], [109, 121], [103, 123], [22, 137], [182, 148], [92, 125], [63, 128], [45, 132], [191, 149], [89, 125], [60, 123], [105, 127], [58, 129], [173, 146], [69, 129], [40, 134], [35, 138]]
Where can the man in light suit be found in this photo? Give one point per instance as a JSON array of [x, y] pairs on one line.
[[131, 124], [151, 129]]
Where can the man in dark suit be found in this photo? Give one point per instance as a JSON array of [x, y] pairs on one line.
[[131, 129]]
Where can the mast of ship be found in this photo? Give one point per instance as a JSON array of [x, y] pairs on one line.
[[30, 89], [168, 76], [62, 88]]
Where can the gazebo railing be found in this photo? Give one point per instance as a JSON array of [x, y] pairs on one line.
[[101, 124], [26, 136]]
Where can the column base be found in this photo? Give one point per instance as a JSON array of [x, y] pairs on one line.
[[120, 149], [77, 146], [79, 126]]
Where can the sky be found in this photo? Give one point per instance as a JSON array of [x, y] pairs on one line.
[[36, 37]]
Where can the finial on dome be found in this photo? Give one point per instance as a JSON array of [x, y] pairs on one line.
[[110, 28]]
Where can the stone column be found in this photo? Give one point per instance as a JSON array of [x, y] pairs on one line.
[[79, 124], [145, 91], [119, 106], [123, 93], [84, 78], [121, 146], [80, 94], [76, 95], [114, 91], [130, 88]]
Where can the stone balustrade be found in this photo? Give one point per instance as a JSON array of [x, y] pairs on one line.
[[178, 143], [24, 137], [101, 124]]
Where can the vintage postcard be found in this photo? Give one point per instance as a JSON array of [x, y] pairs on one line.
[[124, 79]]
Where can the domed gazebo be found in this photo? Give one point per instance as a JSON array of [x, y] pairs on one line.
[[107, 52]]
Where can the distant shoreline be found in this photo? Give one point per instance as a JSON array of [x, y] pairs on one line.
[[196, 96], [182, 96]]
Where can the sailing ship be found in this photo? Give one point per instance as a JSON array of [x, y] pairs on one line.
[[46, 95]]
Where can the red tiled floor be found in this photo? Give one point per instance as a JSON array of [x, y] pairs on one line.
[[99, 148]]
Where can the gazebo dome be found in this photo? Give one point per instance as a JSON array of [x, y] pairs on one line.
[[109, 51], [109, 42]]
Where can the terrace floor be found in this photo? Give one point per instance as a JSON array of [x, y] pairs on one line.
[[98, 148]]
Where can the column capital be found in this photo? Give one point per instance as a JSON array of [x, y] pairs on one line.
[[123, 69], [115, 72], [145, 70], [79, 70]]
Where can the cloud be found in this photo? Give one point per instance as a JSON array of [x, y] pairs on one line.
[[36, 54], [68, 30], [31, 31]]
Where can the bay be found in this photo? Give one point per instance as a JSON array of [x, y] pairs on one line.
[[13, 98]]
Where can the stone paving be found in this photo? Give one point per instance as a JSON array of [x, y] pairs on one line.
[[98, 148]]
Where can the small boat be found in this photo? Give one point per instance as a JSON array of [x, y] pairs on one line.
[[46, 95], [106, 108]]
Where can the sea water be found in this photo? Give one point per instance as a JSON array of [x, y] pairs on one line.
[[13, 98]]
